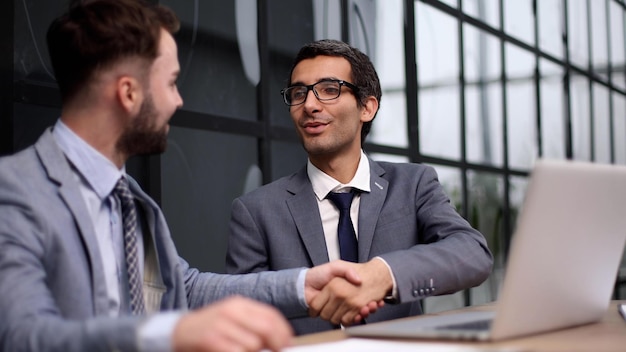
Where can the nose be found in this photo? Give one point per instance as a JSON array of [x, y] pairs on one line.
[[311, 103], [179, 100]]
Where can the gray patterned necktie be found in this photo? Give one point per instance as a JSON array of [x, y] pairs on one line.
[[129, 218]]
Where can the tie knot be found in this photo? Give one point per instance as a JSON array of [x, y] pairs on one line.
[[122, 190], [341, 200]]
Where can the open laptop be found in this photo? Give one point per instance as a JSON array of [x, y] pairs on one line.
[[562, 264]]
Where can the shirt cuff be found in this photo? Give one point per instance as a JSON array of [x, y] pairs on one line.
[[300, 287], [393, 298], [155, 335]]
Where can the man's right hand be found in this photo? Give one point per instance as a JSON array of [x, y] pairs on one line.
[[233, 324], [318, 277]]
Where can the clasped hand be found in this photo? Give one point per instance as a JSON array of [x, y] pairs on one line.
[[345, 293]]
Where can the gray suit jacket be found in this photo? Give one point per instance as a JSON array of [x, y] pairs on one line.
[[52, 286], [406, 219]]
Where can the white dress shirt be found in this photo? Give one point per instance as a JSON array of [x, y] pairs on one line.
[[322, 185]]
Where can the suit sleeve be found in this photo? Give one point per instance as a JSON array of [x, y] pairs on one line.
[[277, 288], [450, 254]]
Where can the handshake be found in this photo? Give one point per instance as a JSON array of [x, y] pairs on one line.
[[340, 292], [345, 293]]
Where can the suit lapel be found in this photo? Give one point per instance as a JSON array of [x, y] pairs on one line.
[[306, 215], [369, 210], [59, 172]]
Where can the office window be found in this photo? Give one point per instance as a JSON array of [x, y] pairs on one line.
[[517, 192], [453, 3], [601, 127], [580, 115], [538, 79], [553, 123], [619, 127], [519, 20], [577, 32], [522, 123], [483, 107], [390, 126], [438, 72], [617, 45], [486, 211], [487, 11], [550, 23], [483, 97], [599, 35]]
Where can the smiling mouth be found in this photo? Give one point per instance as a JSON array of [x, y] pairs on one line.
[[314, 127]]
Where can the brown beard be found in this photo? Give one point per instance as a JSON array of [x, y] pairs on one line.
[[141, 138]]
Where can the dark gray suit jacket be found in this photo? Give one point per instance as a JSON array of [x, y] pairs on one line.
[[52, 287], [406, 219]]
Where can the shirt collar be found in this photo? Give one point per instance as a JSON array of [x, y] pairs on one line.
[[98, 171], [323, 184]]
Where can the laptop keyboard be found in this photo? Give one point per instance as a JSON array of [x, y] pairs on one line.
[[471, 325]]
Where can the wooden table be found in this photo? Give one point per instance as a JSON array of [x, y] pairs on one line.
[[607, 335]]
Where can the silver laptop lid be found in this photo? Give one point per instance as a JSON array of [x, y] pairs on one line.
[[566, 249]]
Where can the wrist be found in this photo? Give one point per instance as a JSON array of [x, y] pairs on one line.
[[381, 272]]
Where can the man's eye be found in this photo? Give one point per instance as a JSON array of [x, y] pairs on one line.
[[330, 90], [298, 93]]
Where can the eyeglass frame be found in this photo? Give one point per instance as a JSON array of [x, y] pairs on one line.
[[309, 87]]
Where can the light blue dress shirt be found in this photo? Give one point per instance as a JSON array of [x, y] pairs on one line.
[[97, 176]]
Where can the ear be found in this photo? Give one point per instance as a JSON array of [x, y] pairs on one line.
[[129, 94], [369, 109]]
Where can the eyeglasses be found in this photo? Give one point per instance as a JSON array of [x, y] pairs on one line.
[[327, 89]]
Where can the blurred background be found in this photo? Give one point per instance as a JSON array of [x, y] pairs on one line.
[[479, 89]]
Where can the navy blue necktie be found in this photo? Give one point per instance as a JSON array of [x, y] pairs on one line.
[[348, 246]]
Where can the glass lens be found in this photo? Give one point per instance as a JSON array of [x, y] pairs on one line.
[[296, 94], [327, 90]]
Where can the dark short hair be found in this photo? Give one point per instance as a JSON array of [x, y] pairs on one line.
[[96, 34], [364, 74]]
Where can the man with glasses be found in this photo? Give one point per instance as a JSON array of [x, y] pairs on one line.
[[394, 220]]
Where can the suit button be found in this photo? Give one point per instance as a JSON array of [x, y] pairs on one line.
[[421, 291], [415, 293]]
